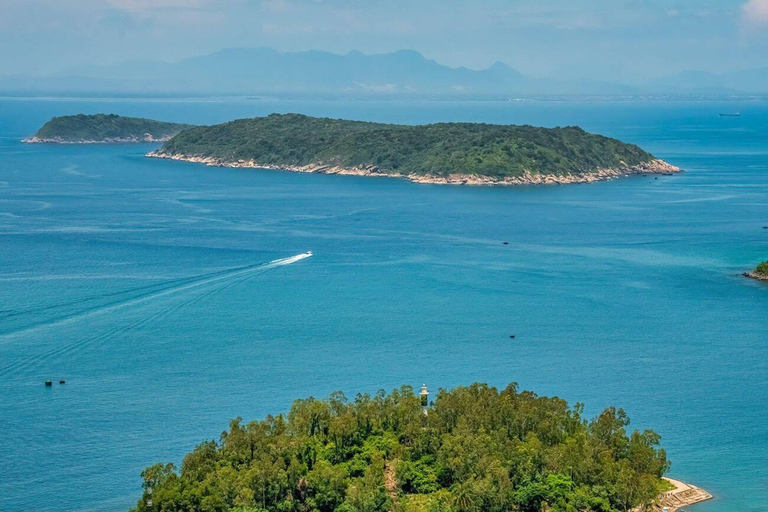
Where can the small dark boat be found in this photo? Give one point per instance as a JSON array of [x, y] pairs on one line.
[[48, 383], [512, 336], [506, 243], [62, 382]]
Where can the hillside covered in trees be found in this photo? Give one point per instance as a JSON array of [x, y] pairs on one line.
[[475, 450], [83, 128], [436, 150]]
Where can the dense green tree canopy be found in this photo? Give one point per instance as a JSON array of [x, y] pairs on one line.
[[435, 149], [762, 269], [476, 450], [106, 127]]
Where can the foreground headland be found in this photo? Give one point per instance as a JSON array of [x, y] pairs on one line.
[[471, 448], [446, 153]]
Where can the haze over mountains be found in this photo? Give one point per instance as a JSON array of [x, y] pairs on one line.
[[254, 71]]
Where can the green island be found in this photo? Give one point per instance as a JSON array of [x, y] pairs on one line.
[[452, 153], [760, 273], [472, 449], [104, 128]]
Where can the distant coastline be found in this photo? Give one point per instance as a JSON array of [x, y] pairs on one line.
[[654, 167]]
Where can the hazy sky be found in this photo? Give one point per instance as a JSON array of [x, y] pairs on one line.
[[617, 39]]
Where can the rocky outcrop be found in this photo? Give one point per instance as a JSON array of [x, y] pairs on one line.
[[681, 496], [527, 178], [756, 275]]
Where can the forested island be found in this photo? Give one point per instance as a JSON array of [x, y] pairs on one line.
[[452, 153], [471, 449], [104, 128], [760, 272]]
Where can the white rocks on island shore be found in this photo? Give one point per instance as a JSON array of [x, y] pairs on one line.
[[527, 178], [147, 137]]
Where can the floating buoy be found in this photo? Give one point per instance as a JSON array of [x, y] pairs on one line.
[[48, 383]]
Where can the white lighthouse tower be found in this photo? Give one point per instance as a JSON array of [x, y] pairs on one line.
[[424, 396]]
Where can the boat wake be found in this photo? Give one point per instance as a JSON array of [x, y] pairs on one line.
[[292, 259], [209, 284]]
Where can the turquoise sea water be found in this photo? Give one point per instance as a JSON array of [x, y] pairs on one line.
[[143, 284]]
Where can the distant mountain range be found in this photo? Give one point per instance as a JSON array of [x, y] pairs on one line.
[[264, 71], [746, 81]]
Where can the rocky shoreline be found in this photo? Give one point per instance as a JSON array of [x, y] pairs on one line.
[[682, 495], [652, 167], [755, 275], [114, 140]]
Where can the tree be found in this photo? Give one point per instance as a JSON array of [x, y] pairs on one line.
[[327, 486], [462, 499], [477, 450]]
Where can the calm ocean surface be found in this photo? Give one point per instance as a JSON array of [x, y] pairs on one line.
[[142, 283]]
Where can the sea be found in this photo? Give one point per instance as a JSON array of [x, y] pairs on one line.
[[170, 297]]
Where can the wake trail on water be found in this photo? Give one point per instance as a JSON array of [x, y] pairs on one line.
[[221, 280], [101, 338], [120, 296]]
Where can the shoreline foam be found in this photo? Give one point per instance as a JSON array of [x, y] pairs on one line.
[[658, 167]]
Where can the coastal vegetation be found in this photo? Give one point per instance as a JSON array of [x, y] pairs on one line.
[[95, 128], [496, 152], [474, 449]]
